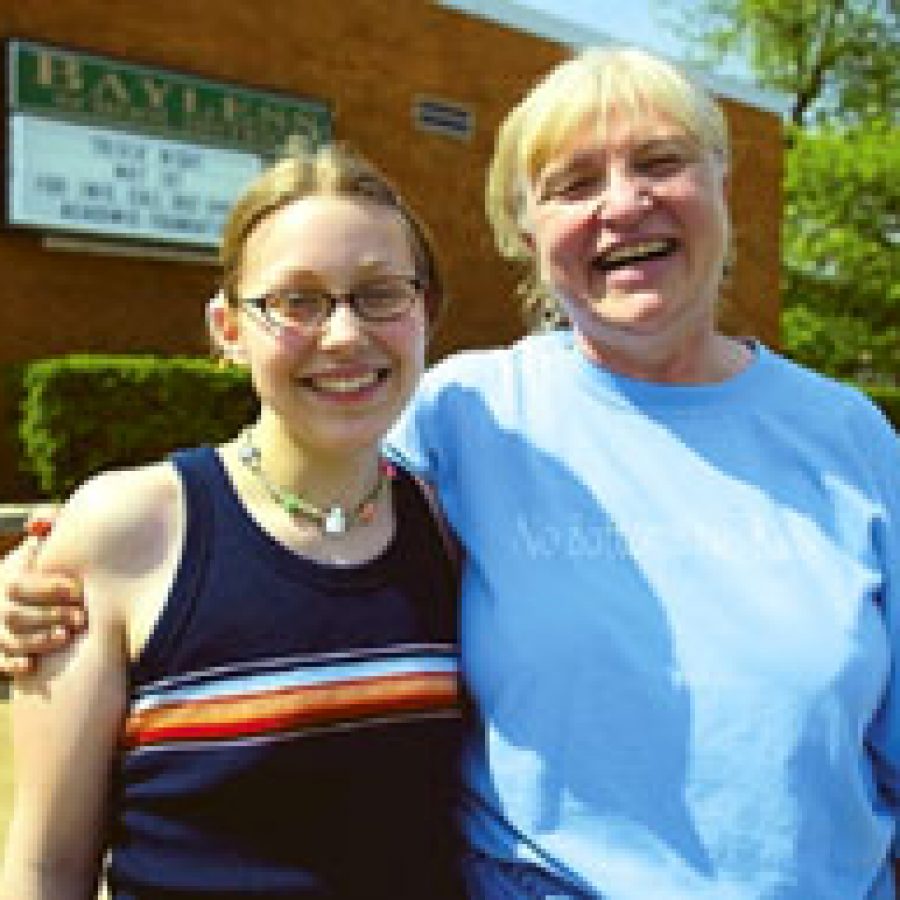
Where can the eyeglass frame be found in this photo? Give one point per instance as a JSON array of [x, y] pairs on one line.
[[333, 300]]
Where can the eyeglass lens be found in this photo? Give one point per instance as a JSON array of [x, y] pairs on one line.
[[373, 303]]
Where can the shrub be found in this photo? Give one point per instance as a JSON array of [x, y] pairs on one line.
[[84, 413], [15, 482]]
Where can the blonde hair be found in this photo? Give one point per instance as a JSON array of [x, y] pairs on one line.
[[596, 85], [331, 169]]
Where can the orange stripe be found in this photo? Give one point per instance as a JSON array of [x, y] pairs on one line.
[[294, 707]]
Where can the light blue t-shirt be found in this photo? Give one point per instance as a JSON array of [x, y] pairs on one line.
[[679, 615]]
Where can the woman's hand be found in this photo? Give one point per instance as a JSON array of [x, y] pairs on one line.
[[39, 612]]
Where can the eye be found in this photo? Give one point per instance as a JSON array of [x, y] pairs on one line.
[[295, 306], [661, 165], [571, 187], [383, 300]]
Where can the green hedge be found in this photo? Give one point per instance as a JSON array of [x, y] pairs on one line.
[[15, 482], [85, 413], [887, 397]]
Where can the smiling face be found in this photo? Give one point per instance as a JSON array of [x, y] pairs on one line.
[[338, 387], [629, 226]]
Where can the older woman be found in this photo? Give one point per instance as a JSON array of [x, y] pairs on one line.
[[679, 607]]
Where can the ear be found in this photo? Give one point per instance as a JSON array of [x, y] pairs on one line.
[[224, 328]]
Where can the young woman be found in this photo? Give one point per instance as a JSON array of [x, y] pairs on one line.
[[266, 702]]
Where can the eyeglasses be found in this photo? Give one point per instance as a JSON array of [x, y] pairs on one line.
[[381, 301]]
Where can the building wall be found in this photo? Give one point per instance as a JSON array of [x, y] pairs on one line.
[[752, 305], [369, 65]]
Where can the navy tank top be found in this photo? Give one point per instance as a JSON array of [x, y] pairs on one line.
[[292, 728]]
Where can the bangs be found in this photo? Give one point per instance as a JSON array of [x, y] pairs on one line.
[[583, 92]]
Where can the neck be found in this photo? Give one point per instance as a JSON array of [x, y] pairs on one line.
[[322, 477], [702, 358]]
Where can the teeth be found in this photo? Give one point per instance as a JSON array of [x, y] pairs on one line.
[[634, 252], [345, 385]]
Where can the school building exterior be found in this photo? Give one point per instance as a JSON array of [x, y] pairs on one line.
[[419, 86]]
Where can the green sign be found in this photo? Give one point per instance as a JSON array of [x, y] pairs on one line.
[[87, 89]]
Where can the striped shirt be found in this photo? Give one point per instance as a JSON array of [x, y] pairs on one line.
[[292, 726]]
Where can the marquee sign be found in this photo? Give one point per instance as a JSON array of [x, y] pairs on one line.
[[104, 147]]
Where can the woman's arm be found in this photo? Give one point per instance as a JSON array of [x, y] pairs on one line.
[[67, 715], [66, 720]]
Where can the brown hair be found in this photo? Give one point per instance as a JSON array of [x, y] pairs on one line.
[[329, 169]]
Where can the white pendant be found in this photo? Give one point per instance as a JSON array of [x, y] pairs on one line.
[[335, 521]]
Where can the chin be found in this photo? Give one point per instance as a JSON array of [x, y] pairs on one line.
[[635, 312], [337, 435], [340, 445]]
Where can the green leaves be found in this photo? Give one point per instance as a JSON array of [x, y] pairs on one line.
[[840, 345], [841, 249], [837, 59]]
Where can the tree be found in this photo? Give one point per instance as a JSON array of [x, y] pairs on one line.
[[836, 59], [841, 249]]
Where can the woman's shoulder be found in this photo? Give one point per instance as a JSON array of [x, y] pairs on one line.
[[115, 520], [802, 387], [841, 425], [494, 370]]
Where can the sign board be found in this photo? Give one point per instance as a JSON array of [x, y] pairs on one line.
[[102, 147]]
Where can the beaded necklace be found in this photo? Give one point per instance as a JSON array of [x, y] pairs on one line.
[[331, 520]]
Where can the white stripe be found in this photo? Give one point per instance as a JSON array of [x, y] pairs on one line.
[[306, 676], [298, 660]]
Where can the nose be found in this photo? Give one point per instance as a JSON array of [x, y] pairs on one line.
[[343, 326], [625, 197]]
